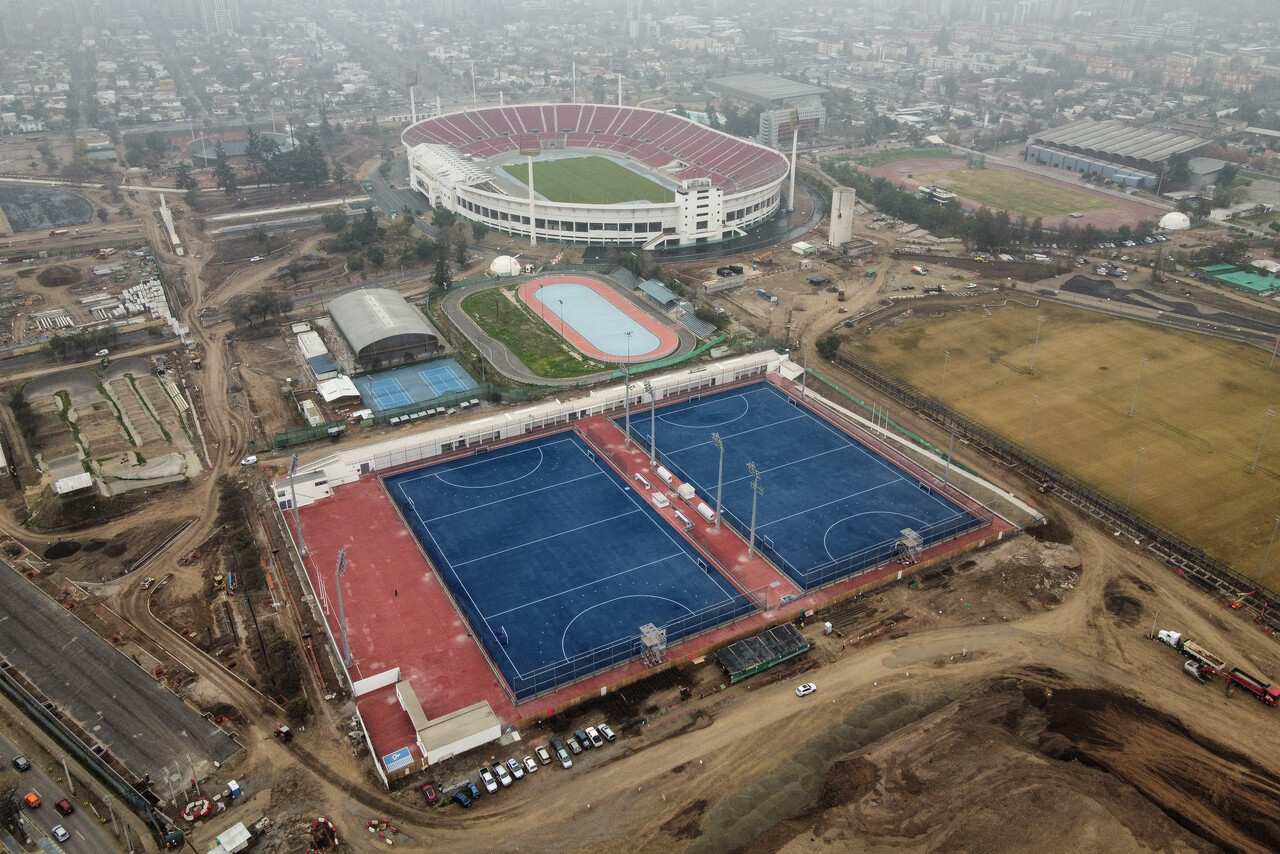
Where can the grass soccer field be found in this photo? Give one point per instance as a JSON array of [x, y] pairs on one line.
[[1201, 408], [589, 180], [1014, 192]]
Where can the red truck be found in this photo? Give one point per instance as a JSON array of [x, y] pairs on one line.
[[1269, 694]]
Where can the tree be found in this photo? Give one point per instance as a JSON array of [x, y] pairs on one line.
[[103, 213], [375, 255], [460, 251], [442, 218], [828, 346], [440, 276], [183, 179], [338, 173], [297, 711], [333, 221], [478, 231], [1177, 172], [264, 239], [191, 197], [384, 169], [222, 171]]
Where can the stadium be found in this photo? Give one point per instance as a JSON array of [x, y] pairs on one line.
[[603, 174]]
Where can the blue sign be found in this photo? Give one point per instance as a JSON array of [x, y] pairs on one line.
[[395, 761]]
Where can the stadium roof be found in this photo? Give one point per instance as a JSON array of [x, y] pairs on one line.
[[372, 315], [658, 292], [764, 87], [1116, 140]]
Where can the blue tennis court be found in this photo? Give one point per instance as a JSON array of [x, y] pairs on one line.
[[556, 561], [831, 506], [413, 384]]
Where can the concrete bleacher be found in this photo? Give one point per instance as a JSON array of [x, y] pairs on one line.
[[657, 140]]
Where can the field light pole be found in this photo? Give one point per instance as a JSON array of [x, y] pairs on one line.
[[1274, 349], [942, 385], [293, 499], [804, 377], [1133, 483], [1267, 556], [719, 443], [1134, 405], [653, 424], [342, 618], [561, 317], [756, 491], [946, 476], [1036, 346], [626, 380], [1271, 413], [1027, 439]]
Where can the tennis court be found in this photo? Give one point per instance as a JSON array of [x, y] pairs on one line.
[[556, 561], [413, 384], [831, 507]]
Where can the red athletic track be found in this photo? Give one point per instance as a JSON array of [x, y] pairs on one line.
[[667, 339], [421, 632]]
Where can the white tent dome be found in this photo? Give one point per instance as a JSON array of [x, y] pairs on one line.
[[1175, 221], [504, 265]]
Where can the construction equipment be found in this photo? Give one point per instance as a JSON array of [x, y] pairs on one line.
[[219, 582], [1236, 604]]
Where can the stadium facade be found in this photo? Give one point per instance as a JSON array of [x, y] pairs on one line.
[[1128, 156], [722, 185]]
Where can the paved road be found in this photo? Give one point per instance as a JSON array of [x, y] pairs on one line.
[[86, 832], [119, 704]]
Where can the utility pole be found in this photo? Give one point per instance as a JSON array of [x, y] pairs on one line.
[[340, 571], [756, 491], [1134, 405], [653, 424], [66, 774], [719, 443], [1271, 413], [1036, 346], [1133, 483], [1027, 439], [293, 499], [626, 379], [942, 385], [804, 377]]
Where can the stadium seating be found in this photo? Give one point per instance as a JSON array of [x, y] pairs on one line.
[[657, 140]]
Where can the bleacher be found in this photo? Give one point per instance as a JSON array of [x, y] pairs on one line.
[[657, 140]]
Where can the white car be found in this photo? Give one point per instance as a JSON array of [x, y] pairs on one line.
[[544, 755], [596, 740], [255, 259], [486, 777], [504, 776], [60, 833], [250, 460], [529, 765], [806, 689], [517, 770], [606, 732]]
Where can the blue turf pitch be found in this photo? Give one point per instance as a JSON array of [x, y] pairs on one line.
[[831, 507], [556, 560], [412, 384]]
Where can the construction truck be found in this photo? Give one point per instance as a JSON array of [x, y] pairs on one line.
[[1191, 649], [1265, 693], [763, 258], [219, 582], [920, 271]]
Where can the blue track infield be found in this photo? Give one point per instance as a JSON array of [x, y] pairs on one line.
[[556, 561], [831, 506]]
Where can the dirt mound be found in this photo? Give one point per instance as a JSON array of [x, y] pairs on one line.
[[686, 824], [58, 275], [1214, 792], [60, 549], [115, 549]]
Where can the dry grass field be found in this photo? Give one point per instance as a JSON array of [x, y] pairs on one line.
[[1200, 411], [1015, 192]]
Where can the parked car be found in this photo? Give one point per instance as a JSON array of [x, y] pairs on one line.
[[21, 763], [529, 765], [472, 790], [60, 833], [594, 737], [606, 732], [563, 755], [583, 739], [63, 806], [504, 776], [431, 793], [250, 460], [573, 745], [806, 689], [31, 800], [544, 755], [486, 777], [517, 769], [461, 798]]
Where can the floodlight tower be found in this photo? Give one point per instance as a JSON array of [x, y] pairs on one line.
[[340, 571], [756, 491], [293, 499], [530, 149], [795, 136], [719, 443], [653, 424], [626, 380]]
